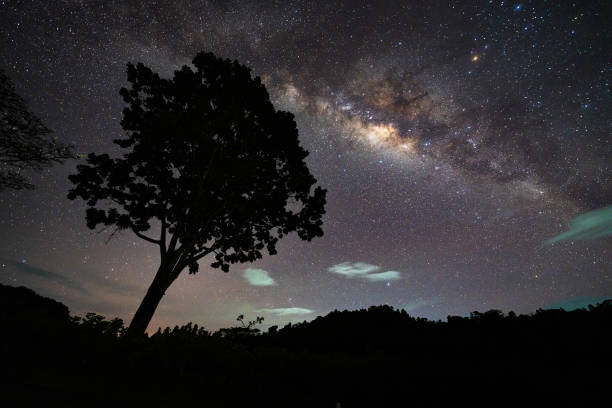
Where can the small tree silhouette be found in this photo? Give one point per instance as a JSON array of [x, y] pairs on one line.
[[251, 323], [23, 140], [245, 329], [210, 159]]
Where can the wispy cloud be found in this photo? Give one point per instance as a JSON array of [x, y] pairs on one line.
[[115, 286], [363, 270], [592, 225], [383, 276], [25, 268], [421, 303], [258, 277], [576, 303], [287, 311], [352, 269]]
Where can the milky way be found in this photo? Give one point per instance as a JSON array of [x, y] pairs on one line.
[[456, 140]]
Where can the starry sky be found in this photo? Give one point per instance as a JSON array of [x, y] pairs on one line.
[[457, 141]]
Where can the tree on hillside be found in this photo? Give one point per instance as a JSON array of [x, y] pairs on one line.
[[211, 163], [24, 141]]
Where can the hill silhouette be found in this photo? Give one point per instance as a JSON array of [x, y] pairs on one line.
[[373, 357]]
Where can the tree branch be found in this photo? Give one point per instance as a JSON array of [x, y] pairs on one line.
[[173, 242], [162, 238], [202, 254], [142, 236]]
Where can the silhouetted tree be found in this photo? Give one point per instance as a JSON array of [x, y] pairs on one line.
[[211, 160], [24, 141], [245, 329]]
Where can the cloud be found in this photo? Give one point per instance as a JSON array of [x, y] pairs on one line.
[[417, 304], [287, 311], [115, 286], [421, 303], [383, 276], [94, 281], [592, 225], [363, 270], [353, 269], [258, 277], [23, 267], [576, 303]]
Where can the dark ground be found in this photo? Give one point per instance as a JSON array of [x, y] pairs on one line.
[[379, 357]]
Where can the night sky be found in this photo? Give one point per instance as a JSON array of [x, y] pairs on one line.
[[455, 139]]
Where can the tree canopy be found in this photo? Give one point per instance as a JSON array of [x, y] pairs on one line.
[[210, 162], [24, 141]]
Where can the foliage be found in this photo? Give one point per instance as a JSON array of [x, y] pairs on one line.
[[98, 324], [210, 159], [24, 141]]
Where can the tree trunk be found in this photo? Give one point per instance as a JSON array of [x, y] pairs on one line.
[[145, 311]]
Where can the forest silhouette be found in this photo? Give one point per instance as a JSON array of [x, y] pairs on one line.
[[373, 357]]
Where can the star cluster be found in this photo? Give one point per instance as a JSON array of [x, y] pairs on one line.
[[455, 140]]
